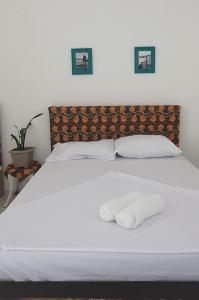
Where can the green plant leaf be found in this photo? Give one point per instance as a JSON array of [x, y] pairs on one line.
[[17, 141], [20, 140], [30, 122], [23, 136]]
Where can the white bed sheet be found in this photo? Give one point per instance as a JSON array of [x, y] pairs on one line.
[[55, 176], [101, 265]]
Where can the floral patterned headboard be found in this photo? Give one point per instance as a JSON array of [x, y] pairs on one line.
[[92, 123]]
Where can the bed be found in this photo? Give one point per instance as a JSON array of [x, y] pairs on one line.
[[100, 273]]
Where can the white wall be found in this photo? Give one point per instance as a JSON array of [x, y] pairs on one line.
[[35, 64]]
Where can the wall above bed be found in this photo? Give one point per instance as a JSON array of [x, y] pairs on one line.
[[35, 61]]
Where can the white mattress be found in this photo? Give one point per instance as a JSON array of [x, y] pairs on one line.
[[50, 264]]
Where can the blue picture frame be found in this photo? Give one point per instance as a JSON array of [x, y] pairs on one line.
[[82, 61], [144, 59]]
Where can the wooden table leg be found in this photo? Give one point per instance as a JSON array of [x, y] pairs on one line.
[[1, 183], [13, 185]]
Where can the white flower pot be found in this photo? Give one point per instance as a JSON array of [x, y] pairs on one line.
[[22, 158]]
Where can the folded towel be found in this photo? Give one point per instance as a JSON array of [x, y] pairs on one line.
[[109, 210], [138, 211]]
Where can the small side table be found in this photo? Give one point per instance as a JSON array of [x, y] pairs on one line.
[[16, 175]]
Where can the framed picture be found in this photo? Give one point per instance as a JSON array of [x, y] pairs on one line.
[[144, 59], [82, 63]]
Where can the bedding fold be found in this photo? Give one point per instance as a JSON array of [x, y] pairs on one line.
[[69, 220]]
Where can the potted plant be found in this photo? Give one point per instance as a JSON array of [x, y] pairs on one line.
[[22, 156]]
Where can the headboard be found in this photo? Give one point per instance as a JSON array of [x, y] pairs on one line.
[[92, 123]]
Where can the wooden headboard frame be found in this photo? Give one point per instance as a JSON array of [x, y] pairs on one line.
[[91, 123]]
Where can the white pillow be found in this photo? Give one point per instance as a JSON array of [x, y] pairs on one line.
[[143, 146], [103, 149]]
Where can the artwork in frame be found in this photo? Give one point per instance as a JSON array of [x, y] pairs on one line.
[[144, 59], [82, 62]]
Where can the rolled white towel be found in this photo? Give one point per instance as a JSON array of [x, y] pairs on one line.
[[109, 210], [145, 207]]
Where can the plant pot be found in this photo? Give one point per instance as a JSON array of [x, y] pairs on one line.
[[22, 158]]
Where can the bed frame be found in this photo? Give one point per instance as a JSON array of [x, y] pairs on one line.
[[125, 290], [94, 123]]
